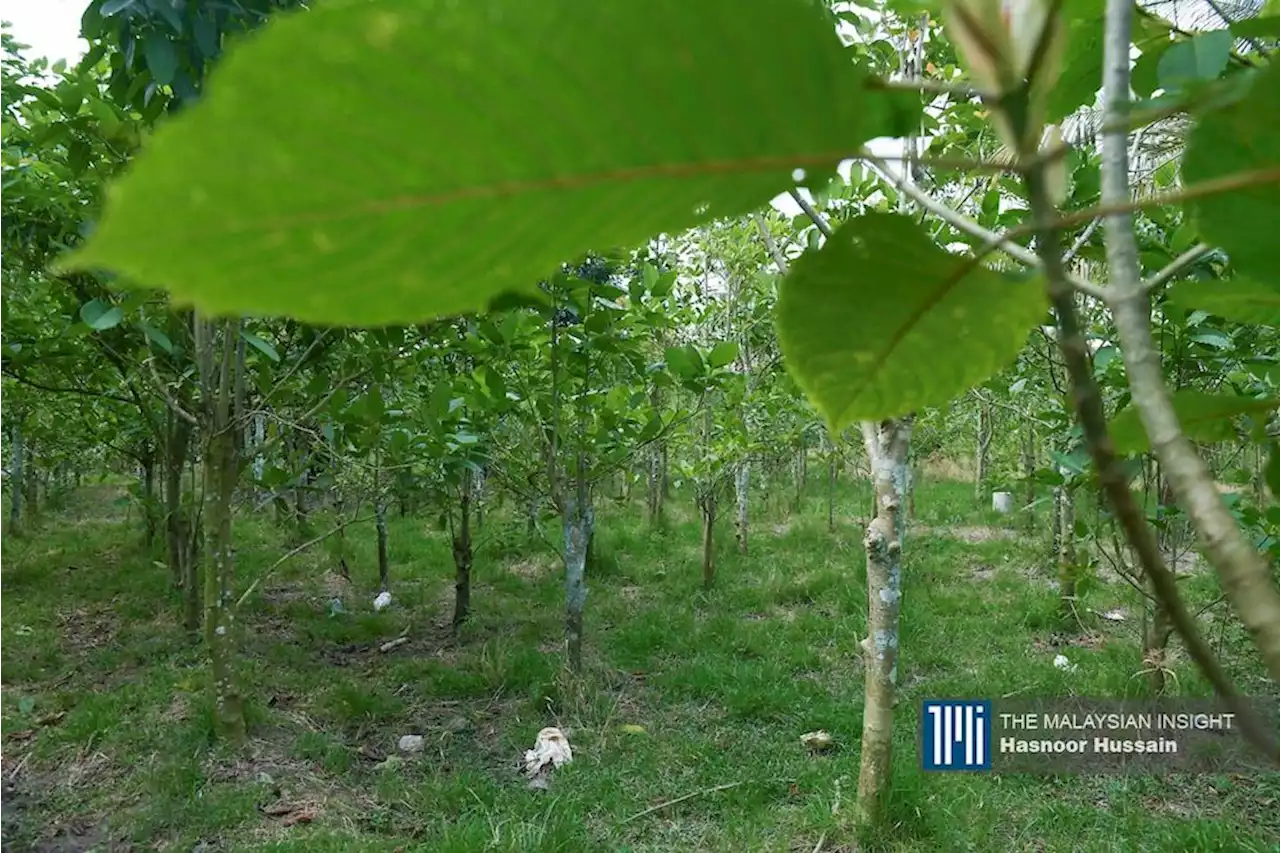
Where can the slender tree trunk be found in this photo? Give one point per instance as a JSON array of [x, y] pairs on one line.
[[654, 495], [31, 481], [218, 622], [579, 524], [179, 532], [1055, 522], [888, 444], [150, 507], [983, 455], [462, 555], [666, 478], [798, 477], [1155, 647], [16, 479], [1028, 473], [1067, 562], [384, 561], [707, 503], [259, 437], [300, 508], [742, 494], [221, 471]]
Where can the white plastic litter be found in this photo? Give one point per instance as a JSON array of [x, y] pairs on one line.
[[1064, 663], [383, 601], [550, 751]]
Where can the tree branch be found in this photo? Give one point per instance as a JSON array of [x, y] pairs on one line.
[[1245, 576], [966, 225], [54, 389], [779, 259], [1176, 267], [1088, 399]]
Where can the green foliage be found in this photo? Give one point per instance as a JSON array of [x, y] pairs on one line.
[[1241, 137], [1240, 300], [499, 196], [1204, 417], [1195, 60], [882, 322], [1082, 65]]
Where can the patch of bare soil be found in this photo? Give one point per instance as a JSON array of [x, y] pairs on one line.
[[1054, 642], [84, 628], [24, 817], [982, 572], [973, 534], [531, 569]]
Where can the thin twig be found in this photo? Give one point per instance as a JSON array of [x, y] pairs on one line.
[[968, 226], [699, 793], [304, 546], [1176, 266], [173, 404], [810, 211]]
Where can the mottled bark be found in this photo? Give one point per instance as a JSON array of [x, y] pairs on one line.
[[742, 496], [579, 524], [888, 443], [217, 374], [219, 623], [655, 495]]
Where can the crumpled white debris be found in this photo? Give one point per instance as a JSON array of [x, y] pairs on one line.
[[550, 751], [1064, 663], [382, 602]]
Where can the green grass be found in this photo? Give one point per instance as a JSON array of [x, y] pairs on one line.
[[723, 683]]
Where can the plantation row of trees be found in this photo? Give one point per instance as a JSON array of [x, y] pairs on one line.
[[604, 305]]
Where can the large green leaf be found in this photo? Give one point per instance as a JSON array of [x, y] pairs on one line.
[[1241, 137], [379, 162], [1082, 63], [722, 353], [1204, 417], [100, 316], [881, 321], [1200, 58], [1241, 300]]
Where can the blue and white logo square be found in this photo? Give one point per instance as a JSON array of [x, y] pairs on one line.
[[956, 734]]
